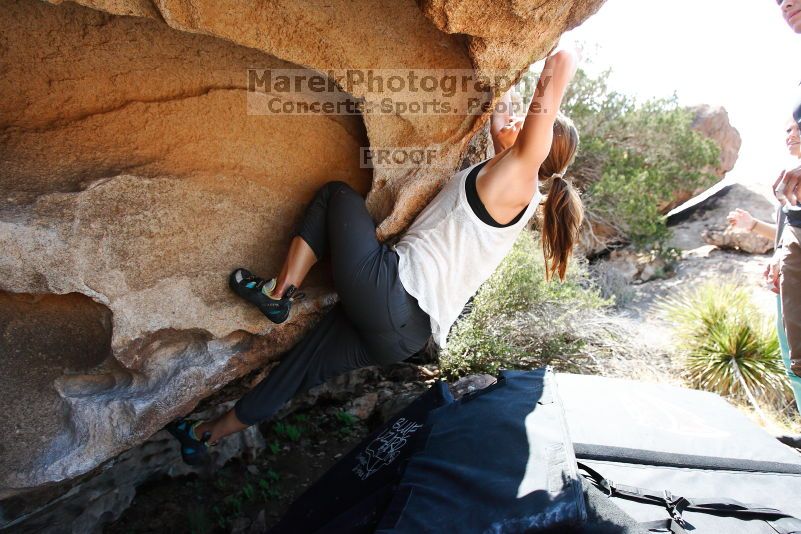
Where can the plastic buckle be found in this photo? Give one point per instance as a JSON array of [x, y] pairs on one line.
[[292, 293], [609, 486], [672, 508]]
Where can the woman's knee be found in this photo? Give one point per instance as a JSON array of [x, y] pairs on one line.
[[341, 200], [328, 191], [335, 186]]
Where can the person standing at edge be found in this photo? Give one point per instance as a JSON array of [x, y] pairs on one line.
[[393, 299], [787, 185], [743, 220], [785, 271]]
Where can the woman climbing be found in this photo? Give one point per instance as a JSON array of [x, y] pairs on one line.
[[392, 299]]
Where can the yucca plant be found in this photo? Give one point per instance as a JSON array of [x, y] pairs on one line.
[[729, 348]]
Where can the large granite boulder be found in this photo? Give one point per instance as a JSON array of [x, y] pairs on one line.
[[134, 178], [496, 42], [714, 123]]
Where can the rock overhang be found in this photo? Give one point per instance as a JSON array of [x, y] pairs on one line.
[[132, 176]]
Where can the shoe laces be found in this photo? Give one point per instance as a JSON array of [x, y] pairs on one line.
[[259, 282], [293, 294]]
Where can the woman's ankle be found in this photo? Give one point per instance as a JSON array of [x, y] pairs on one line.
[[278, 291]]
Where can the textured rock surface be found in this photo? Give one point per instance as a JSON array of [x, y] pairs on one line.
[[103, 496], [597, 236], [508, 35], [470, 384], [634, 266], [708, 226], [214, 188], [714, 123], [73, 407], [34, 354], [133, 174], [479, 148], [105, 95], [332, 37], [729, 238], [501, 39]]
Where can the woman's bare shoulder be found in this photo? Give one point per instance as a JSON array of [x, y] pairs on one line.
[[504, 169], [506, 184]]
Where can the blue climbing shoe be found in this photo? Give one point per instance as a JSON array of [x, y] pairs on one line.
[[256, 291], [193, 451]]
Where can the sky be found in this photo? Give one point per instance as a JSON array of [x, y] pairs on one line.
[[739, 54]]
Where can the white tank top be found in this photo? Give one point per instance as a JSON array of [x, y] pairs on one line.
[[448, 252]]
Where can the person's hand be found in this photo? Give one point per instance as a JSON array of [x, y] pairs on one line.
[[740, 219], [785, 187], [771, 275], [507, 134], [514, 124]]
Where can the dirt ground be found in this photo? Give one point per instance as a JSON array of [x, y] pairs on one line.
[[244, 495], [251, 496], [699, 263]]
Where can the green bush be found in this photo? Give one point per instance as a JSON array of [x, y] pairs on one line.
[[485, 339], [728, 347], [634, 157]]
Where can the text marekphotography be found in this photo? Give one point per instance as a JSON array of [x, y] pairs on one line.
[[381, 91]]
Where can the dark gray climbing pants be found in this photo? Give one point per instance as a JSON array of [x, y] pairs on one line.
[[375, 322]]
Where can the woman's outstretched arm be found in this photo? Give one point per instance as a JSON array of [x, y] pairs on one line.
[[507, 184], [531, 156], [534, 142]]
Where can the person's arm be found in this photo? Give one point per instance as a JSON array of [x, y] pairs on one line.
[[765, 229], [508, 185], [534, 141], [743, 220]]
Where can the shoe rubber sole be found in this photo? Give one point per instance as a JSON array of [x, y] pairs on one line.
[[276, 316]]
